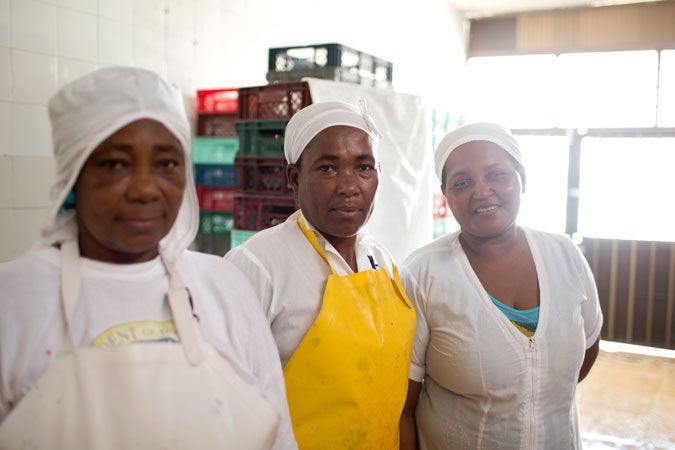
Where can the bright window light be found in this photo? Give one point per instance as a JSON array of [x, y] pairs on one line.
[[666, 113], [516, 91], [603, 90], [544, 203], [626, 188]]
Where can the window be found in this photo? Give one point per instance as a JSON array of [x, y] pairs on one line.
[[543, 205], [517, 91], [666, 112], [626, 188], [626, 102], [600, 90]]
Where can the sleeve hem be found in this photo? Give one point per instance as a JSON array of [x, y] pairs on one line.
[[592, 337], [416, 372]]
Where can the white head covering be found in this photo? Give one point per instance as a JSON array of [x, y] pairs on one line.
[[313, 119], [87, 111], [479, 131]]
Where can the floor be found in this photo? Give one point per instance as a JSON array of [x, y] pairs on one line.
[[628, 402]]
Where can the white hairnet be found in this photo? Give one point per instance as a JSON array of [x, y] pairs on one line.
[[87, 111], [311, 120], [479, 131]]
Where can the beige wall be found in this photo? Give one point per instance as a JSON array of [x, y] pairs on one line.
[[641, 26], [196, 44]]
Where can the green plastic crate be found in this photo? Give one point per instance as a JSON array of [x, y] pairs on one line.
[[215, 223], [214, 150], [261, 137]]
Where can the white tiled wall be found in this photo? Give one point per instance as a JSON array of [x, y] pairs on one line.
[[196, 44]]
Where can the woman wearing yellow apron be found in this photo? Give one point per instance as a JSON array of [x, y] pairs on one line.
[[341, 320], [112, 334]]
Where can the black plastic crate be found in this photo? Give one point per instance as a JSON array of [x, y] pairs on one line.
[[317, 56], [328, 73]]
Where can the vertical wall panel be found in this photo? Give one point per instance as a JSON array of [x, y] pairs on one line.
[[636, 286]]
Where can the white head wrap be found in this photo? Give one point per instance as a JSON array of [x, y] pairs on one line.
[[90, 109], [313, 119], [479, 131]]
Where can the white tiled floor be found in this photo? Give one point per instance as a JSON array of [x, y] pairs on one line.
[[628, 402]]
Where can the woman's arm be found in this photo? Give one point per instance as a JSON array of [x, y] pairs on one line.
[[407, 427], [589, 359]]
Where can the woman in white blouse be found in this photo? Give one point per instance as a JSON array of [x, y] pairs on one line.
[[508, 319]]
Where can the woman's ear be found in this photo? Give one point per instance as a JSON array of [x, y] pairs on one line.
[[292, 177]]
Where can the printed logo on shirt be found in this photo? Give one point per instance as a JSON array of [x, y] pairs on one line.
[[133, 332]]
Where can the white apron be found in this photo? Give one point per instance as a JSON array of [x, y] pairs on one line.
[[139, 396]]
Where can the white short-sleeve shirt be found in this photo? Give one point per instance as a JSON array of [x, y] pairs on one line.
[[487, 385]]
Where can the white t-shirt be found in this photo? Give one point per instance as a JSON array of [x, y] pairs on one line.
[[122, 304], [289, 276], [486, 384]]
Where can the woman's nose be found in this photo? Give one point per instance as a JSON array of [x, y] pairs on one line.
[[143, 185], [347, 182], [482, 189]]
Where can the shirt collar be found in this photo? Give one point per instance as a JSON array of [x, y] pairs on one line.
[[361, 245]]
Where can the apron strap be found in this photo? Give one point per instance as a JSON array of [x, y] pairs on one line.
[[177, 296], [311, 237], [398, 286], [187, 328], [70, 283]]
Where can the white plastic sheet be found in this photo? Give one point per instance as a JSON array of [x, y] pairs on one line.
[[402, 220]]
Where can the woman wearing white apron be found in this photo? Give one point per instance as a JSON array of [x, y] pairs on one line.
[[113, 335]]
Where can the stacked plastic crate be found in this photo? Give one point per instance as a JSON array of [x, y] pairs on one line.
[[213, 152], [332, 61], [263, 196]]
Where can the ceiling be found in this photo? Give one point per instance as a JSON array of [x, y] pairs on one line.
[[484, 8]]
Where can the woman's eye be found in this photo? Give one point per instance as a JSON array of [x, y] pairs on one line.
[[366, 167], [112, 164], [325, 168], [460, 184], [169, 163]]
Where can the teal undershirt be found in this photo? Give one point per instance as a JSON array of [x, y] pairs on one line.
[[527, 319]]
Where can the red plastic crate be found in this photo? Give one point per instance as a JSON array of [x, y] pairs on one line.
[[216, 125], [258, 212], [217, 100], [273, 101], [265, 176], [216, 199]]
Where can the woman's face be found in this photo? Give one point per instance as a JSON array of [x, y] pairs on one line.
[[483, 188], [128, 193], [337, 181]]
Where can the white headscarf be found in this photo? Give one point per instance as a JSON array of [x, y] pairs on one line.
[[479, 131], [313, 119], [87, 111]]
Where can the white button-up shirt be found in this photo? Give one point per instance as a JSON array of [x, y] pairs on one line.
[[290, 276]]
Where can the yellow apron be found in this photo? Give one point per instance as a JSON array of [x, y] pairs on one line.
[[347, 380]]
